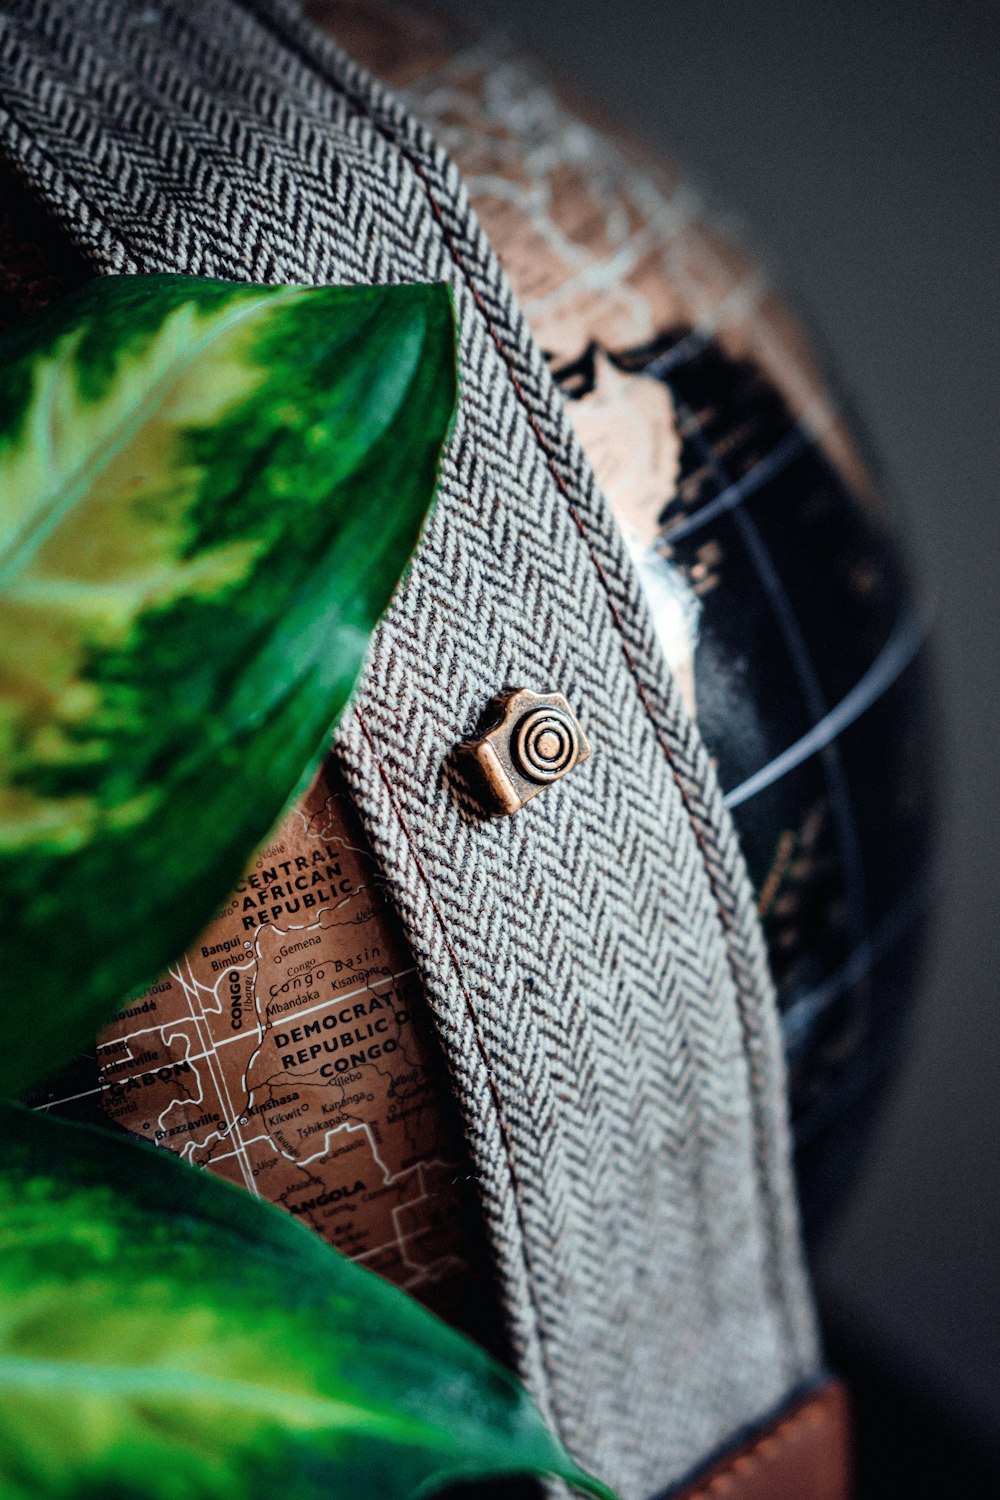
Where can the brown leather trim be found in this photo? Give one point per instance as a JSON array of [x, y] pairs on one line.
[[804, 1455]]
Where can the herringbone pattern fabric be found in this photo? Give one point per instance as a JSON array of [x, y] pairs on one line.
[[594, 963]]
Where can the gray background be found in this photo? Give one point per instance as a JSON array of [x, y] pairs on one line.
[[859, 139]]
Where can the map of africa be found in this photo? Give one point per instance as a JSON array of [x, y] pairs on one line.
[[290, 1050]]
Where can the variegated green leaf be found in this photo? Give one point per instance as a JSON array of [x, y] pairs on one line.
[[207, 495], [165, 1336]]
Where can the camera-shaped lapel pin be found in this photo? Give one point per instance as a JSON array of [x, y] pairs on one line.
[[532, 739]]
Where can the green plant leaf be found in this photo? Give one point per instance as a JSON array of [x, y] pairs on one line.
[[163, 1335], [208, 492]]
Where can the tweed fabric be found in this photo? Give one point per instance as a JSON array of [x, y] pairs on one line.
[[594, 964]]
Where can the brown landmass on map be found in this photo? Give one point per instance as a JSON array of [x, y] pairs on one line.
[[291, 1051]]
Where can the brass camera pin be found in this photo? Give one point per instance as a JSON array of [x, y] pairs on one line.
[[533, 739]]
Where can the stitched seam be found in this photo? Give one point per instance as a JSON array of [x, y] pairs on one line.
[[767, 1448], [470, 1009], [390, 136], [598, 568], [772, 1230]]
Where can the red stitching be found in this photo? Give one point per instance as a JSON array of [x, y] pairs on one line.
[[766, 1449], [577, 521]]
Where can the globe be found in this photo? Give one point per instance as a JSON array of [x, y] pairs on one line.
[[290, 1050]]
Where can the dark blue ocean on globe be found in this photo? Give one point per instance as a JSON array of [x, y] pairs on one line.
[[814, 700]]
